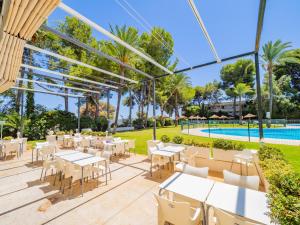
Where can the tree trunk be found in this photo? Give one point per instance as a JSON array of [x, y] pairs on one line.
[[117, 112], [97, 106], [176, 110], [66, 98], [270, 71], [30, 95], [86, 113], [234, 106], [130, 108], [122, 70], [240, 109]]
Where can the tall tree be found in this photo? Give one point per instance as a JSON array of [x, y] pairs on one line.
[[242, 71], [130, 36], [273, 54], [241, 90]]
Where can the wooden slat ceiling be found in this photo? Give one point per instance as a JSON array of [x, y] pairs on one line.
[[19, 20]]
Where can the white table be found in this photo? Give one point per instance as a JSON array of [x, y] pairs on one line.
[[174, 149], [58, 154], [90, 161], [170, 155], [109, 145], [244, 202], [74, 156], [196, 188]]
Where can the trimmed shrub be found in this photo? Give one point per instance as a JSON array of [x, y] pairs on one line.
[[168, 122], [227, 145], [138, 123], [284, 190], [165, 139], [8, 138], [178, 139]]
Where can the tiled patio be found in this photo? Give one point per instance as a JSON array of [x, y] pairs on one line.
[[127, 199]]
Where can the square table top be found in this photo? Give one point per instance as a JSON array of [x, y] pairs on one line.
[[89, 161], [196, 188], [244, 202], [163, 153], [75, 156], [61, 153], [175, 149]]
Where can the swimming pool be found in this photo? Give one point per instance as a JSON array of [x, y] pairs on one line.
[[275, 133]]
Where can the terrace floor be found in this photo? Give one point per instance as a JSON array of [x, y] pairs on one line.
[[126, 199]]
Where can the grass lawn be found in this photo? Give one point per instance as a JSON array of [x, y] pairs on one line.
[[292, 153]]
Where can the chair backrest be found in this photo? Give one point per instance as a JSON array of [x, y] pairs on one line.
[[177, 213], [120, 147], [251, 182], [106, 155], [48, 149], [51, 138], [131, 144], [195, 171], [11, 147], [85, 143], [224, 218]]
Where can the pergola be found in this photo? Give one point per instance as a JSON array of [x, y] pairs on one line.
[[20, 19]]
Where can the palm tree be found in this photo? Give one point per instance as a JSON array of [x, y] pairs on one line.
[[273, 54], [179, 84], [130, 36], [241, 90]]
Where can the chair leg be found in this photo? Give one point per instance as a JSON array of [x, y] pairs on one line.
[[109, 172], [55, 179], [231, 165], [42, 174]]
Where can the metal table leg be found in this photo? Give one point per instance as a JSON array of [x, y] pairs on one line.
[[105, 172], [151, 166], [81, 181]]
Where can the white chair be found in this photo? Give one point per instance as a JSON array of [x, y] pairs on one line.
[[98, 144], [85, 143], [51, 138], [130, 145], [224, 218], [10, 148], [74, 173], [157, 160], [119, 148], [107, 155], [47, 151], [151, 143], [177, 213], [195, 171], [47, 165], [245, 158], [251, 182]]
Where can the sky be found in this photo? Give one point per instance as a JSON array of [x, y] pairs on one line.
[[230, 23]]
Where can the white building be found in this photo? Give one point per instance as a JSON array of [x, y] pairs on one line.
[[226, 107]]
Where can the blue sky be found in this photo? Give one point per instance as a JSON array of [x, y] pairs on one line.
[[230, 23]]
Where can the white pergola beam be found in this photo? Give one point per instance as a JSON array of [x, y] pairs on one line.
[[203, 28], [111, 36], [48, 92], [77, 62], [59, 86], [67, 76]]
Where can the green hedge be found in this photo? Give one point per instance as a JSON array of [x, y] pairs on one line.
[[165, 139], [284, 190], [227, 145]]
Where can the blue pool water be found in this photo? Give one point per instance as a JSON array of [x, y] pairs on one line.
[[276, 133]]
